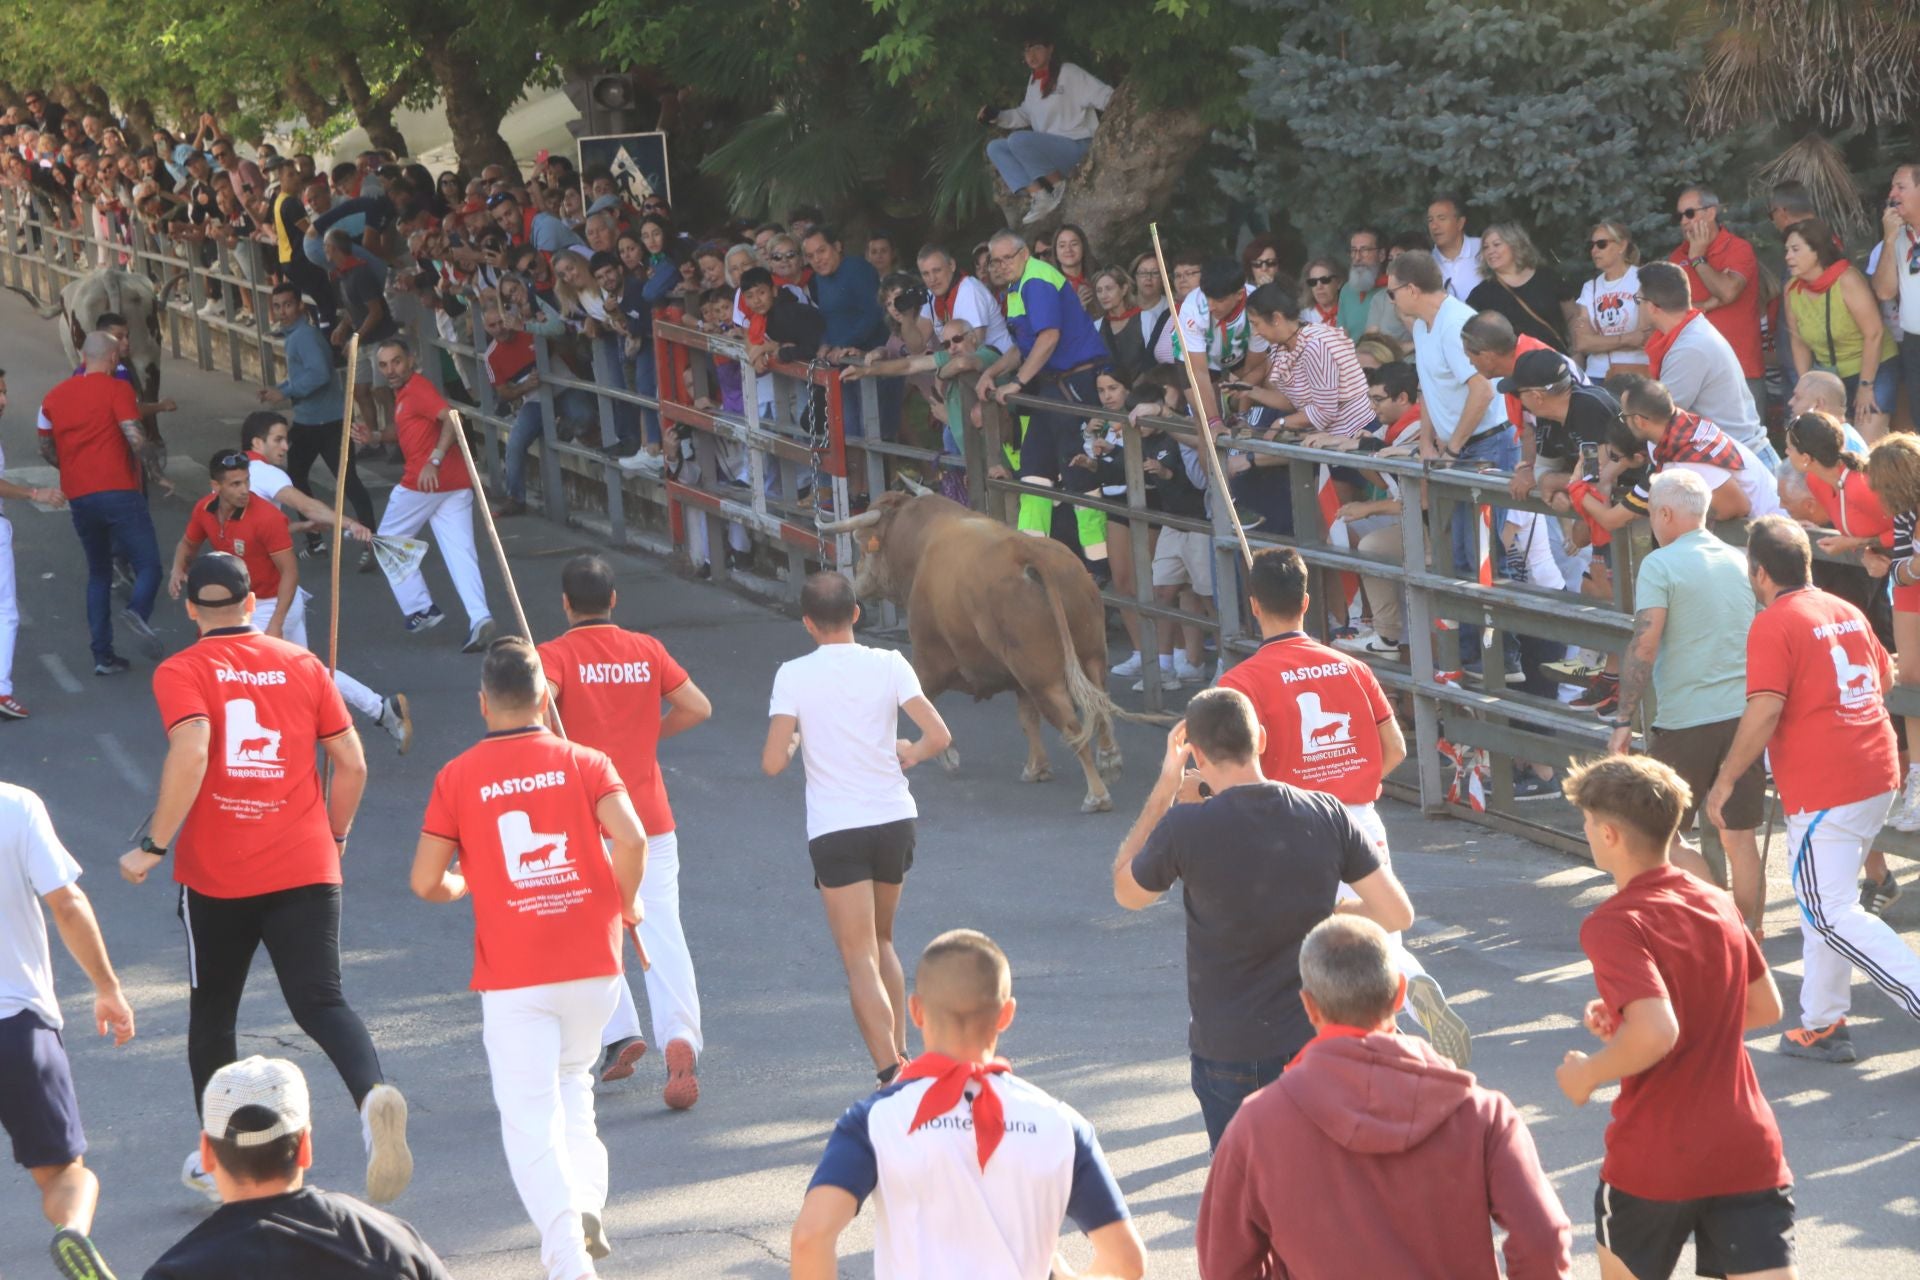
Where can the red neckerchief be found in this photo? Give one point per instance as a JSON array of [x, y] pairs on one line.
[[805, 276], [950, 1080], [756, 328], [256, 457], [1045, 78], [1128, 314], [1328, 1032], [1075, 281], [1822, 282], [1326, 316], [943, 305], [1679, 444], [1408, 421], [1657, 343], [1230, 317]]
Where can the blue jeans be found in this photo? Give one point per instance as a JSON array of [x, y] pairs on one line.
[[529, 424], [1024, 157], [644, 380], [1498, 447], [610, 370], [1222, 1086], [115, 520]]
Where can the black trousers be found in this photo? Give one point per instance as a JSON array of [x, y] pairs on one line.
[[307, 441], [301, 930]]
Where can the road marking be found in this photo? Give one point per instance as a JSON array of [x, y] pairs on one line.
[[117, 754], [58, 670]]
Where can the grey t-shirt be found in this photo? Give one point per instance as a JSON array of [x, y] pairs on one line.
[[1259, 866]]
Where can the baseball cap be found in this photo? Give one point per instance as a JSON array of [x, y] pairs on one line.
[[273, 162], [216, 581], [251, 1102], [1536, 371], [603, 204]]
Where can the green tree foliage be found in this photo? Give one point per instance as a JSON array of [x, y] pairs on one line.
[[1555, 113]]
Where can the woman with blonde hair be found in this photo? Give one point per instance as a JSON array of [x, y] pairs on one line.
[[1517, 284], [1606, 326], [1893, 472], [1375, 350], [1320, 285], [1119, 323]]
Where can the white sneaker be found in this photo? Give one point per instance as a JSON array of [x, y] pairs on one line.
[[1131, 667], [383, 1126], [1356, 643], [1906, 810], [1200, 675], [213, 309], [643, 462], [1046, 202], [195, 1178], [397, 720], [1168, 681]]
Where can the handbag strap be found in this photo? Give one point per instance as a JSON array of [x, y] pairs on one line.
[[1550, 327]]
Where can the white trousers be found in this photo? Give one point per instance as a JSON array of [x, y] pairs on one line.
[[1837, 935], [9, 608], [1367, 818], [542, 1043], [671, 994], [357, 695], [450, 511]]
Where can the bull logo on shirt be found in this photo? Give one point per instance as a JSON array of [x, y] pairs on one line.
[[253, 749], [1322, 731], [529, 854], [1857, 683]]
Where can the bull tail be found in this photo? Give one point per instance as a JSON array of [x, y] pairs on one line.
[[1091, 705], [46, 312]]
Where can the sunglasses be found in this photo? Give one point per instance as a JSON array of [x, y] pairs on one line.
[[1688, 215], [1267, 263], [954, 340], [231, 461], [1597, 244], [788, 256], [1320, 280]]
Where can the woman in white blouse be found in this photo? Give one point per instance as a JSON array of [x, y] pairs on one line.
[[1052, 127], [1607, 328]]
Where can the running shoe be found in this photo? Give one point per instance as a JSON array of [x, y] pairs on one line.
[[1877, 895], [1376, 647], [480, 637], [195, 1178], [617, 1059], [75, 1257], [1528, 785], [144, 632], [1446, 1030], [11, 708], [683, 1088], [1131, 667], [112, 666], [397, 720], [367, 560], [383, 1124], [598, 1246], [1906, 810], [1188, 674], [425, 620], [1169, 682], [1822, 1044], [1353, 640], [1598, 690]]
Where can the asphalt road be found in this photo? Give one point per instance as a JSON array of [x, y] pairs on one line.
[[712, 1192]]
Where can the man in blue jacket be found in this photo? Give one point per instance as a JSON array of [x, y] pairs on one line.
[[312, 389]]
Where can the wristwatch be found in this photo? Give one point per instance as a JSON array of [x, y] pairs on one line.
[[1698, 262], [148, 846], [438, 458]]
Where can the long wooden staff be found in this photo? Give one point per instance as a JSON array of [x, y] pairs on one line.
[[340, 502], [1217, 472]]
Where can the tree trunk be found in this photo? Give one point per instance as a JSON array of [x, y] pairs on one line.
[[308, 100], [1137, 159], [473, 113], [140, 122], [375, 111]]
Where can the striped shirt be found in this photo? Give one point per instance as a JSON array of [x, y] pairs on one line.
[[1319, 373]]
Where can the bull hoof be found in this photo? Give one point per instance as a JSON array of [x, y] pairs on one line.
[[1096, 804], [949, 760], [1037, 773], [1109, 763]]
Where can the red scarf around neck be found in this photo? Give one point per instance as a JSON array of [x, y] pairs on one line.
[[950, 1080], [1045, 78], [1822, 282], [1657, 343], [943, 303]]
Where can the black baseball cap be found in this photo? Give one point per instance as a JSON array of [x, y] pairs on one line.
[[218, 581], [1536, 371], [273, 162]]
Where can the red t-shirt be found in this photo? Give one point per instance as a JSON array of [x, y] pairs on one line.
[[546, 908], [1516, 414], [1819, 653], [254, 535], [1695, 1123], [83, 415], [509, 358], [1321, 710], [1738, 321], [609, 683], [260, 823], [416, 419], [1854, 509]]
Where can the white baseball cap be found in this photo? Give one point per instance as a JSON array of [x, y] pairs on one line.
[[273, 1085]]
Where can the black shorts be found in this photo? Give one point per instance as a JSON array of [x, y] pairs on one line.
[[37, 1106], [1732, 1235], [883, 853], [1695, 753]]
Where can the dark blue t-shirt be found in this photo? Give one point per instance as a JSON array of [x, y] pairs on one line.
[[849, 299]]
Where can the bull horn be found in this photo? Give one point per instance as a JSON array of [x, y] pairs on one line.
[[912, 486], [851, 523]]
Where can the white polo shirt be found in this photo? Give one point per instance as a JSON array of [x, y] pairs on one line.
[[1461, 273], [975, 303], [1909, 284], [938, 1215]]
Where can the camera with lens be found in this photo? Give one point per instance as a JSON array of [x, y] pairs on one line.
[[910, 299]]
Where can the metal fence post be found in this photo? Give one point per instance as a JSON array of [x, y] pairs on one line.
[[1419, 637], [553, 496]]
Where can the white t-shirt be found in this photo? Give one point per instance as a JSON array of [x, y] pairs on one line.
[[1441, 361], [847, 698], [33, 863], [1462, 274], [1909, 283], [1612, 311], [1163, 350], [1762, 490], [266, 480], [975, 304], [1529, 537]]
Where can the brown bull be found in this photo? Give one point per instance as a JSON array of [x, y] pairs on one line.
[[991, 610]]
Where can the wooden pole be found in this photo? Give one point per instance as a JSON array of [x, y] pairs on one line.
[[340, 503], [1211, 452]]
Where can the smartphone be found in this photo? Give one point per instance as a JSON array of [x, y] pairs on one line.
[[1589, 458]]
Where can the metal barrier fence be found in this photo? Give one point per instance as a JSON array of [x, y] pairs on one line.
[[769, 473]]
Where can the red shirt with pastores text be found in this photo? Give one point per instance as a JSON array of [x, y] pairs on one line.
[[609, 683], [521, 804], [416, 420], [259, 530], [1819, 653], [1695, 1123], [1321, 710], [83, 415], [259, 824]]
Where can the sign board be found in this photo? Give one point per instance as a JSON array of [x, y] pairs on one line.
[[638, 162]]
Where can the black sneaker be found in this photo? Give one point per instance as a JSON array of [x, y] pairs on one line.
[[367, 560], [1603, 689], [143, 631], [111, 666], [425, 620], [1528, 785], [1877, 895]]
